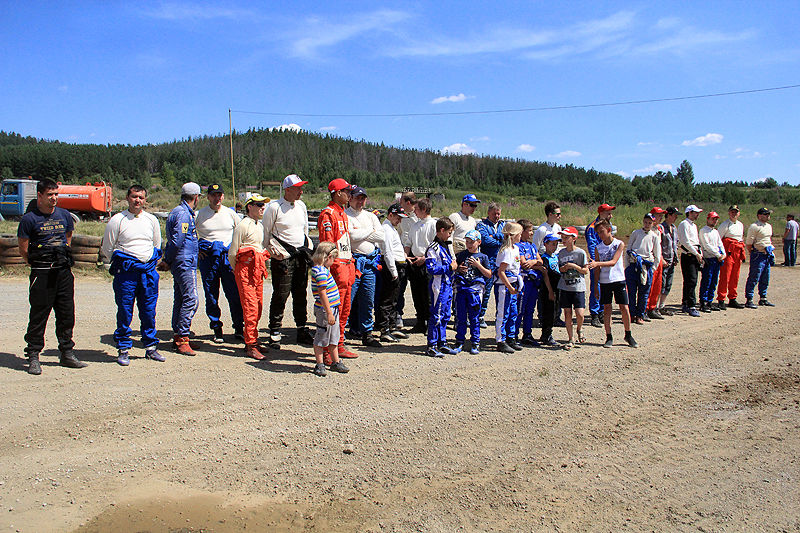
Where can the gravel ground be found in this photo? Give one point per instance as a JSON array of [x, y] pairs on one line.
[[695, 430]]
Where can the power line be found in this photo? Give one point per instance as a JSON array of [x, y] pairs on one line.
[[518, 110]]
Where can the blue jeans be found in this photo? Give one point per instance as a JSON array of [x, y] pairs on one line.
[[759, 274], [708, 283], [638, 293], [789, 252], [215, 271], [526, 304], [362, 300]]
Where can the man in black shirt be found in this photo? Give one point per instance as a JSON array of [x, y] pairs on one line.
[[44, 236]]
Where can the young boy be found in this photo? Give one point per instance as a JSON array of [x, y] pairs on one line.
[[608, 258], [531, 280], [551, 275], [326, 309], [644, 251], [572, 285], [440, 265], [471, 276]]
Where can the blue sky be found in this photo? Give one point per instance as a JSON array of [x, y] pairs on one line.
[[147, 72]]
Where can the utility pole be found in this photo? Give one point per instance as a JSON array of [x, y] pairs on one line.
[[230, 135]]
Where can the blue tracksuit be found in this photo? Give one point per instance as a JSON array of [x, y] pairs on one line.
[[469, 292], [592, 240], [491, 240], [215, 269], [708, 283], [181, 255], [362, 296], [531, 280], [135, 281], [440, 289]]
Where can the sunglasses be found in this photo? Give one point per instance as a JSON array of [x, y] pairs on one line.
[[472, 204], [557, 214]]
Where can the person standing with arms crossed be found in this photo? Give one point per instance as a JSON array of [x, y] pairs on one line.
[[44, 236], [491, 230], [333, 226], [215, 225], [604, 212], [287, 240], [132, 244]]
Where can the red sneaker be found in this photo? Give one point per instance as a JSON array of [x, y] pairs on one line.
[[326, 357], [254, 352], [346, 354]]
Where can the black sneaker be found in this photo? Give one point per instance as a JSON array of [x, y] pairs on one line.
[[750, 305], [34, 366], [721, 305], [339, 367], [502, 347], [218, 338], [609, 343], [275, 339], [714, 307], [388, 337], [632, 343], [766, 303], [528, 340], [370, 341], [397, 334], [514, 343], [733, 304], [420, 328], [654, 314], [238, 334], [69, 360], [320, 370], [596, 322]]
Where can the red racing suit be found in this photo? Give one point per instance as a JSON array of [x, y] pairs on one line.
[[655, 289], [250, 271], [332, 227], [729, 272]]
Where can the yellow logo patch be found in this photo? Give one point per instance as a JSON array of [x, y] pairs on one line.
[[184, 227]]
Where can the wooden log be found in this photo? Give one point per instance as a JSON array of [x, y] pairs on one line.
[[85, 249], [7, 240], [11, 260], [86, 257], [11, 251], [86, 240]]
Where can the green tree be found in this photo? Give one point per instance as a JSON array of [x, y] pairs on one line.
[[685, 173]]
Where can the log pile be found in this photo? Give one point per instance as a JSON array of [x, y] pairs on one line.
[[85, 251]]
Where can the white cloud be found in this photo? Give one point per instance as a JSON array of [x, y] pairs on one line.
[[704, 140], [460, 97], [483, 138], [287, 127], [623, 174], [750, 155], [718, 156], [526, 148], [328, 128], [190, 11], [566, 153], [458, 148], [643, 143], [654, 168], [316, 33]]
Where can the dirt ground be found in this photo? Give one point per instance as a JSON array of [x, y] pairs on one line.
[[695, 430]]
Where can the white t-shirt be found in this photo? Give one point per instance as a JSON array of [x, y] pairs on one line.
[[509, 256], [216, 225], [792, 226], [605, 252], [542, 231], [461, 225], [289, 222], [135, 235]]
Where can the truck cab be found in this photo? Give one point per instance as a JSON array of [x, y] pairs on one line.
[[15, 195]]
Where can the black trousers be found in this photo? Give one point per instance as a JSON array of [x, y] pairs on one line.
[[548, 311], [690, 266], [386, 313], [418, 279], [289, 275], [51, 289]]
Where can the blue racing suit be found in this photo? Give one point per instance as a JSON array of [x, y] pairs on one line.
[[215, 268], [362, 297], [469, 292], [531, 280], [135, 281], [491, 240], [181, 255], [440, 289], [592, 240]]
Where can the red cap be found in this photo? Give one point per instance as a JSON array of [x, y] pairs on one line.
[[712, 214], [605, 207], [337, 185], [657, 211], [569, 231]]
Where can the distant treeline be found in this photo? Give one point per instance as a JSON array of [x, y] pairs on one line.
[[269, 155]]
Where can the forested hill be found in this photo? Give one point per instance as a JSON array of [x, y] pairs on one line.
[[269, 155]]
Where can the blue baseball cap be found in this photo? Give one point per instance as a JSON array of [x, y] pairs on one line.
[[470, 198], [551, 237], [473, 235]]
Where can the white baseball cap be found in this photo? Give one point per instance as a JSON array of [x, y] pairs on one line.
[[190, 188], [692, 209], [292, 180]]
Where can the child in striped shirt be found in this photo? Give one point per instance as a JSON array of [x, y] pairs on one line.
[[326, 309]]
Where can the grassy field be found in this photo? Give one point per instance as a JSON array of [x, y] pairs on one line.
[[626, 218]]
